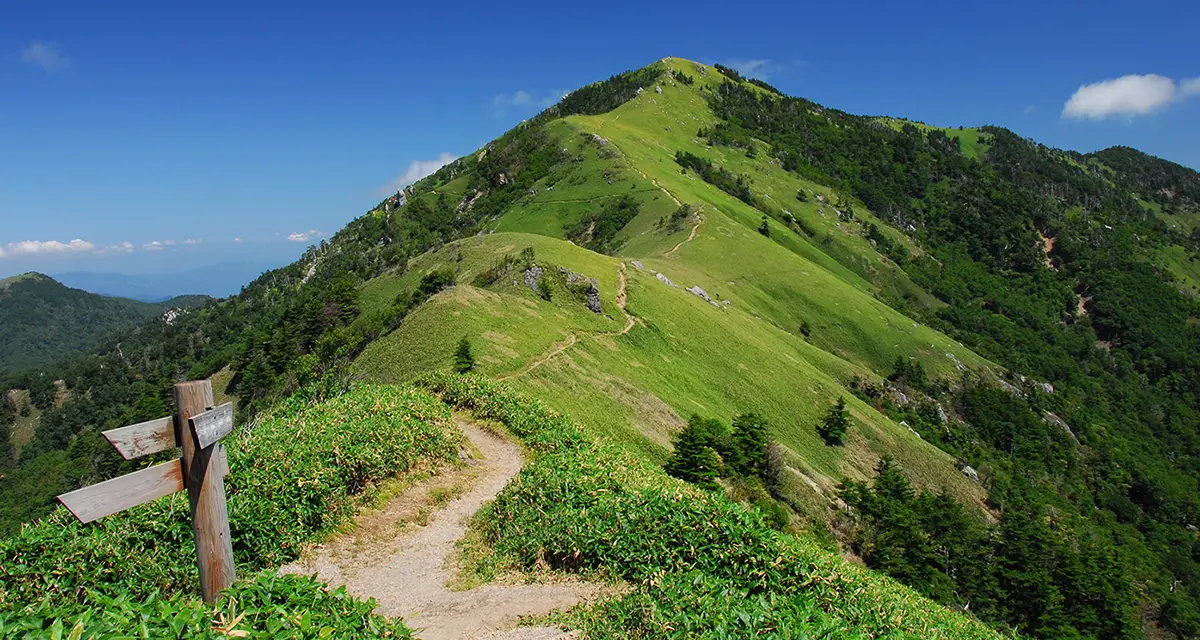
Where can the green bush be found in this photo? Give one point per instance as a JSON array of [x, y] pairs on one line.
[[697, 560], [294, 478], [269, 606], [695, 605]]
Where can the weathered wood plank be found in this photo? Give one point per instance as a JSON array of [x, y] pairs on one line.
[[130, 490], [142, 439], [212, 425], [203, 472]]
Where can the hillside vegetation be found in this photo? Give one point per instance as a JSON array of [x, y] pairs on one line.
[[293, 479], [1011, 330], [45, 322]]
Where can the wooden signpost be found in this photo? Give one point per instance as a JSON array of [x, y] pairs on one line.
[[196, 431]]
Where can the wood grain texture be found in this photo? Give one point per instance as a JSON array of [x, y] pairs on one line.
[[112, 496], [212, 425], [204, 477], [143, 438]]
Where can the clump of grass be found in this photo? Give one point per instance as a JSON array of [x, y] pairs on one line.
[[701, 565], [295, 477]]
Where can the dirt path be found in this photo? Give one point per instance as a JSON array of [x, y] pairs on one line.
[[407, 573], [555, 349], [559, 347], [691, 236]]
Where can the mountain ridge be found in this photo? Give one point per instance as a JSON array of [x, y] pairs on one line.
[[46, 321], [1008, 324]]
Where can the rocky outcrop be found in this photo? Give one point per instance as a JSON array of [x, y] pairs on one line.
[[703, 294], [532, 276]]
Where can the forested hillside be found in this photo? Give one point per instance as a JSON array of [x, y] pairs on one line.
[[969, 359], [45, 321]]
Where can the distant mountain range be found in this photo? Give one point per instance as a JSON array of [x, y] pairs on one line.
[[219, 281], [45, 321]]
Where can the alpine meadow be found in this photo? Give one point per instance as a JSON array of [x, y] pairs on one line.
[[762, 368]]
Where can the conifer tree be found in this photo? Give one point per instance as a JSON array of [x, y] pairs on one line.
[[463, 360], [694, 459], [833, 429], [750, 440]]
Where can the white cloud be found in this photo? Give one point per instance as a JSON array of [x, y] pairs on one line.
[[1030, 109], [1129, 96], [1189, 86], [237, 240], [760, 68], [417, 169], [304, 236], [124, 247], [169, 243], [47, 247], [193, 241], [46, 55], [154, 245]]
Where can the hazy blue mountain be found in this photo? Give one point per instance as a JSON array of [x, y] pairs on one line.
[[219, 281]]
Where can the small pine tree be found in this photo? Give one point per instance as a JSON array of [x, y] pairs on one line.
[[833, 429], [463, 360], [750, 439], [544, 289], [763, 228], [694, 459]]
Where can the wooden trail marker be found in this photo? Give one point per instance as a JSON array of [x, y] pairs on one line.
[[196, 430]]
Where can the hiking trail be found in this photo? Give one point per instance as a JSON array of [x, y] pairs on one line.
[[559, 347], [405, 567], [691, 236]]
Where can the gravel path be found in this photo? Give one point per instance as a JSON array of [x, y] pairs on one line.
[[407, 574]]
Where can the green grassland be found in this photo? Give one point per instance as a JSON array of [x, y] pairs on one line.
[[694, 564], [971, 140], [1184, 265], [684, 354]]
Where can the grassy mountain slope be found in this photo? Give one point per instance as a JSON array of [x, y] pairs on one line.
[[45, 321], [1038, 290], [683, 354]]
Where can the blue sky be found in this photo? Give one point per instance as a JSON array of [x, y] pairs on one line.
[[237, 125]]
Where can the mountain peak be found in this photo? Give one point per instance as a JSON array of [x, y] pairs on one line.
[[29, 275]]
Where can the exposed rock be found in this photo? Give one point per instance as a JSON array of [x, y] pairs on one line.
[[703, 294], [1007, 386], [665, 279], [657, 89], [500, 179], [532, 276], [638, 265], [901, 399], [593, 299], [1053, 419], [1044, 387], [957, 363], [969, 472], [942, 414]]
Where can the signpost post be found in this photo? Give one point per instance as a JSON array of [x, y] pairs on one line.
[[196, 430]]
